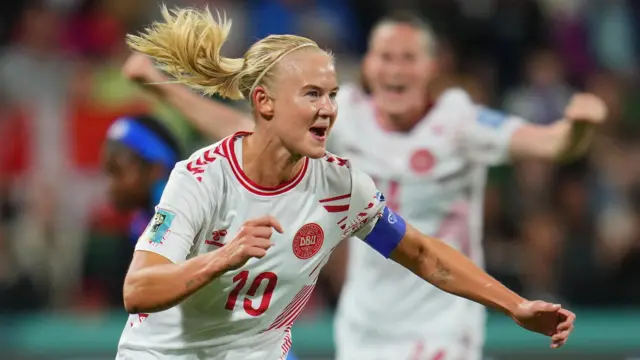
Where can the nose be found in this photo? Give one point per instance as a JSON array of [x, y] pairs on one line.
[[329, 108]]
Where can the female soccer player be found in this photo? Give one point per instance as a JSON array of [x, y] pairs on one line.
[[430, 157], [139, 154], [210, 277]]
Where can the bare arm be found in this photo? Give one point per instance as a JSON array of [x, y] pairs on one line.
[[566, 139], [154, 283], [563, 141], [210, 117], [450, 271]]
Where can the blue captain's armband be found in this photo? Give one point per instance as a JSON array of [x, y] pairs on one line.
[[387, 232]]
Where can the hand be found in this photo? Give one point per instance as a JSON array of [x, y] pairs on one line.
[[545, 318], [140, 68], [586, 108], [252, 241]]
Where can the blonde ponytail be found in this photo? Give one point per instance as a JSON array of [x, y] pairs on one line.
[[187, 47]]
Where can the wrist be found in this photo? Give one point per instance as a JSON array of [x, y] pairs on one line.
[[510, 307], [217, 264]]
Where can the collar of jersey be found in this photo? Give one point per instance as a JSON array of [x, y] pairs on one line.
[[228, 146]]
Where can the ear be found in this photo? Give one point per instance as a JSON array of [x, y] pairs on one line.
[[263, 103]]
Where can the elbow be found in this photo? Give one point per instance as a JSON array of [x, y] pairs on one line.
[[131, 298], [136, 299]]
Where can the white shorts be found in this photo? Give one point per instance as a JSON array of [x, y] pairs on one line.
[[410, 349]]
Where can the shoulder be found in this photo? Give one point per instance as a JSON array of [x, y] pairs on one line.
[[340, 176], [335, 172], [455, 98], [206, 166], [204, 162]]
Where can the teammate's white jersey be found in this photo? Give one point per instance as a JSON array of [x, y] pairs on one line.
[[434, 177], [247, 313]]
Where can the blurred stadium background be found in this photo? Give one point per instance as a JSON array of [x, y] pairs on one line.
[[569, 234]]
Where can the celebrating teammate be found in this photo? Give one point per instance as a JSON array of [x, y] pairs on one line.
[[249, 222], [139, 155]]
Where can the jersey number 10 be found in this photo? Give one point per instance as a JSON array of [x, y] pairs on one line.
[[241, 280]]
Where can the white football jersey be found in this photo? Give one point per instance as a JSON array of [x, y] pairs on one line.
[[434, 177], [246, 313]]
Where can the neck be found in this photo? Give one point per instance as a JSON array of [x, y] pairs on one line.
[[266, 161], [403, 122]]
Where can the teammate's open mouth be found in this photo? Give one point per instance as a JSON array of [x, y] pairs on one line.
[[319, 132], [396, 89]]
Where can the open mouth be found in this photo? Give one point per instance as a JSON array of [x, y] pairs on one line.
[[319, 132], [395, 89]]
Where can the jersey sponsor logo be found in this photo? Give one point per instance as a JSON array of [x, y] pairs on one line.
[[217, 237], [159, 227], [308, 241], [492, 118], [422, 161]]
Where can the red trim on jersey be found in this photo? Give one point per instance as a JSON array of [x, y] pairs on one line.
[[295, 307], [286, 345], [229, 149], [345, 196], [336, 208]]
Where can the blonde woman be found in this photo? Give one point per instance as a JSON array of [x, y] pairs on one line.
[[247, 223]]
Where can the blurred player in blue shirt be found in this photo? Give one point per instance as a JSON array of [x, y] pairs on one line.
[[140, 152]]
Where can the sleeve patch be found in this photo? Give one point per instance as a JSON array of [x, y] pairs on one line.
[[159, 227], [491, 117]]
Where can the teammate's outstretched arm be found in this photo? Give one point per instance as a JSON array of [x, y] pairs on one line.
[[565, 139], [211, 118]]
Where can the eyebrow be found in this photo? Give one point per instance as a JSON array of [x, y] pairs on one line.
[[316, 87]]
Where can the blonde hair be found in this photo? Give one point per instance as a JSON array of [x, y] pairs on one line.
[[186, 45]]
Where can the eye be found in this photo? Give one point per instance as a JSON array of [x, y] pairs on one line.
[[333, 95], [409, 57], [313, 93]]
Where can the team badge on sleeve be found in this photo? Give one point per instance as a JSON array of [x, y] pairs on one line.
[[159, 227], [491, 117]]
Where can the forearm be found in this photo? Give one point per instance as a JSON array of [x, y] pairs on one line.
[[450, 271], [159, 287], [210, 117]]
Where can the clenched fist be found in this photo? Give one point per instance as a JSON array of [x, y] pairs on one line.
[[586, 108], [252, 241], [140, 68]]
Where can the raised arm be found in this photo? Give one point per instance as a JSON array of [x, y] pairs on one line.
[[567, 138], [211, 118], [492, 137]]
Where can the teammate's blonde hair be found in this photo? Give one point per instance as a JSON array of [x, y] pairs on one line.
[[186, 45]]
